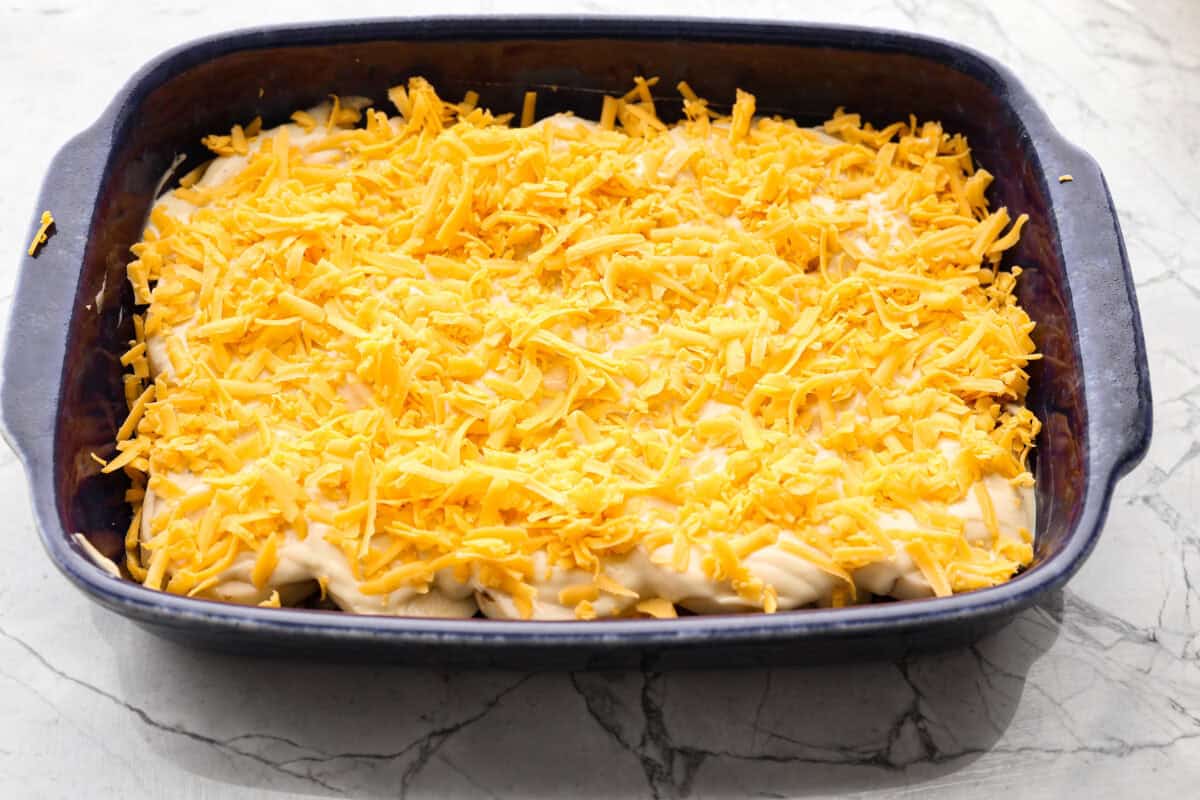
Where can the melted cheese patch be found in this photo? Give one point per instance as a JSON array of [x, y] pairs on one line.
[[430, 363]]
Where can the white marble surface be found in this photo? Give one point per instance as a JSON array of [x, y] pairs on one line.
[[1096, 693]]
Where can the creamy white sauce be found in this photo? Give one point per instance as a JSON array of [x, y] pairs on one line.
[[99, 559]]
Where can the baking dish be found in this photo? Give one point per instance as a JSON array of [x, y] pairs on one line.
[[62, 395]]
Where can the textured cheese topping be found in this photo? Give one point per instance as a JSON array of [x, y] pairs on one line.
[[431, 364]]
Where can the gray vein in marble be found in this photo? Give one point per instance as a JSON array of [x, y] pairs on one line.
[[226, 745], [670, 768], [300, 767], [425, 746], [98, 742]]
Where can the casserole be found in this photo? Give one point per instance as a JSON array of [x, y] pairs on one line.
[[71, 319]]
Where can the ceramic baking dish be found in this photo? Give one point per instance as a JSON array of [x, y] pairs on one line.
[[62, 393]]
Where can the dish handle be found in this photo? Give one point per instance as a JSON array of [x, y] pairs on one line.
[[1111, 344], [44, 300]]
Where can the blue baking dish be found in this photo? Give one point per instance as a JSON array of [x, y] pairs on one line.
[[62, 394]]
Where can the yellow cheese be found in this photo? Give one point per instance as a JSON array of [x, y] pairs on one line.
[[461, 344], [658, 608], [528, 109], [39, 238]]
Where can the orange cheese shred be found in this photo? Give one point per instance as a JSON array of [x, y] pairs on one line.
[[447, 345]]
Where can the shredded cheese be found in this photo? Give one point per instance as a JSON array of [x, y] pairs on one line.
[[39, 238], [460, 347]]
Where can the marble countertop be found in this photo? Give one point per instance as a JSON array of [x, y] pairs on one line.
[[1094, 693]]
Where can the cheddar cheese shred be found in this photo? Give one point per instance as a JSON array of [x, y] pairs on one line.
[[41, 234], [433, 364]]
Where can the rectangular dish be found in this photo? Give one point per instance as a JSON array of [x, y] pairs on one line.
[[71, 319]]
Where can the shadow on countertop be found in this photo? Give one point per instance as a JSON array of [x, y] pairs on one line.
[[381, 731]]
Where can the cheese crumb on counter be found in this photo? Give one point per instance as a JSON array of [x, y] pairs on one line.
[[431, 364]]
